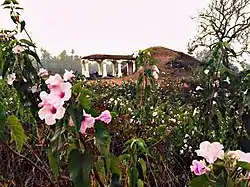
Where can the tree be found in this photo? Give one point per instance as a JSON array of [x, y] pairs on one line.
[[63, 56], [77, 58], [45, 55], [223, 21], [72, 53], [203, 55]]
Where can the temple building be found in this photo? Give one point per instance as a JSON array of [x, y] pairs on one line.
[[120, 65]]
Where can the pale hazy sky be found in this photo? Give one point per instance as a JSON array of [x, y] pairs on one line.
[[108, 26]]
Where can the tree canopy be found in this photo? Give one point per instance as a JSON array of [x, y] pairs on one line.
[[223, 21]]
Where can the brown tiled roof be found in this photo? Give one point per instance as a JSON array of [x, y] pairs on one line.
[[112, 57]]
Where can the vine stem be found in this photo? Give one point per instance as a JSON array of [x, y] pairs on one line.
[[97, 177], [31, 162], [26, 32], [153, 175]]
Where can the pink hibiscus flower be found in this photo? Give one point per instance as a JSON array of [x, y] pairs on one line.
[[155, 72], [52, 108], [155, 75], [49, 99], [87, 122], [105, 116], [71, 122], [43, 72], [58, 87], [18, 49], [68, 75], [63, 91], [199, 167], [51, 113], [11, 78], [54, 80], [210, 151], [240, 155]]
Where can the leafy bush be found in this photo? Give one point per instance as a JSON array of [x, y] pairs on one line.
[[62, 127]]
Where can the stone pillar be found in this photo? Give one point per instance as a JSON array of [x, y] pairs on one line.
[[87, 68], [104, 69], [83, 67], [119, 68], [99, 68], [134, 67], [127, 68], [113, 69]]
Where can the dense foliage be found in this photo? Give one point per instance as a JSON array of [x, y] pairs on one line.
[[61, 130]]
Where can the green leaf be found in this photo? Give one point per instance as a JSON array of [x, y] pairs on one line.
[[230, 182], [161, 129], [76, 114], [70, 148], [19, 8], [2, 122], [219, 164], [127, 148], [140, 79], [133, 143], [100, 168], [13, 19], [33, 54], [148, 72], [86, 167], [114, 165], [76, 88], [129, 141], [243, 183], [75, 167], [84, 98], [140, 183], [220, 179], [6, 2], [56, 142], [1, 60], [84, 101], [143, 166], [142, 146], [211, 61], [79, 167], [114, 115], [29, 43], [103, 139], [125, 157], [7, 7], [200, 181], [23, 27], [54, 163], [133, 176], [14, 2], [7, 64], [244, 165], [17, 132]]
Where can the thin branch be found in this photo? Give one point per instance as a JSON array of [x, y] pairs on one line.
[[31, 162], [152, 172], [97, 177], [223, 20]]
